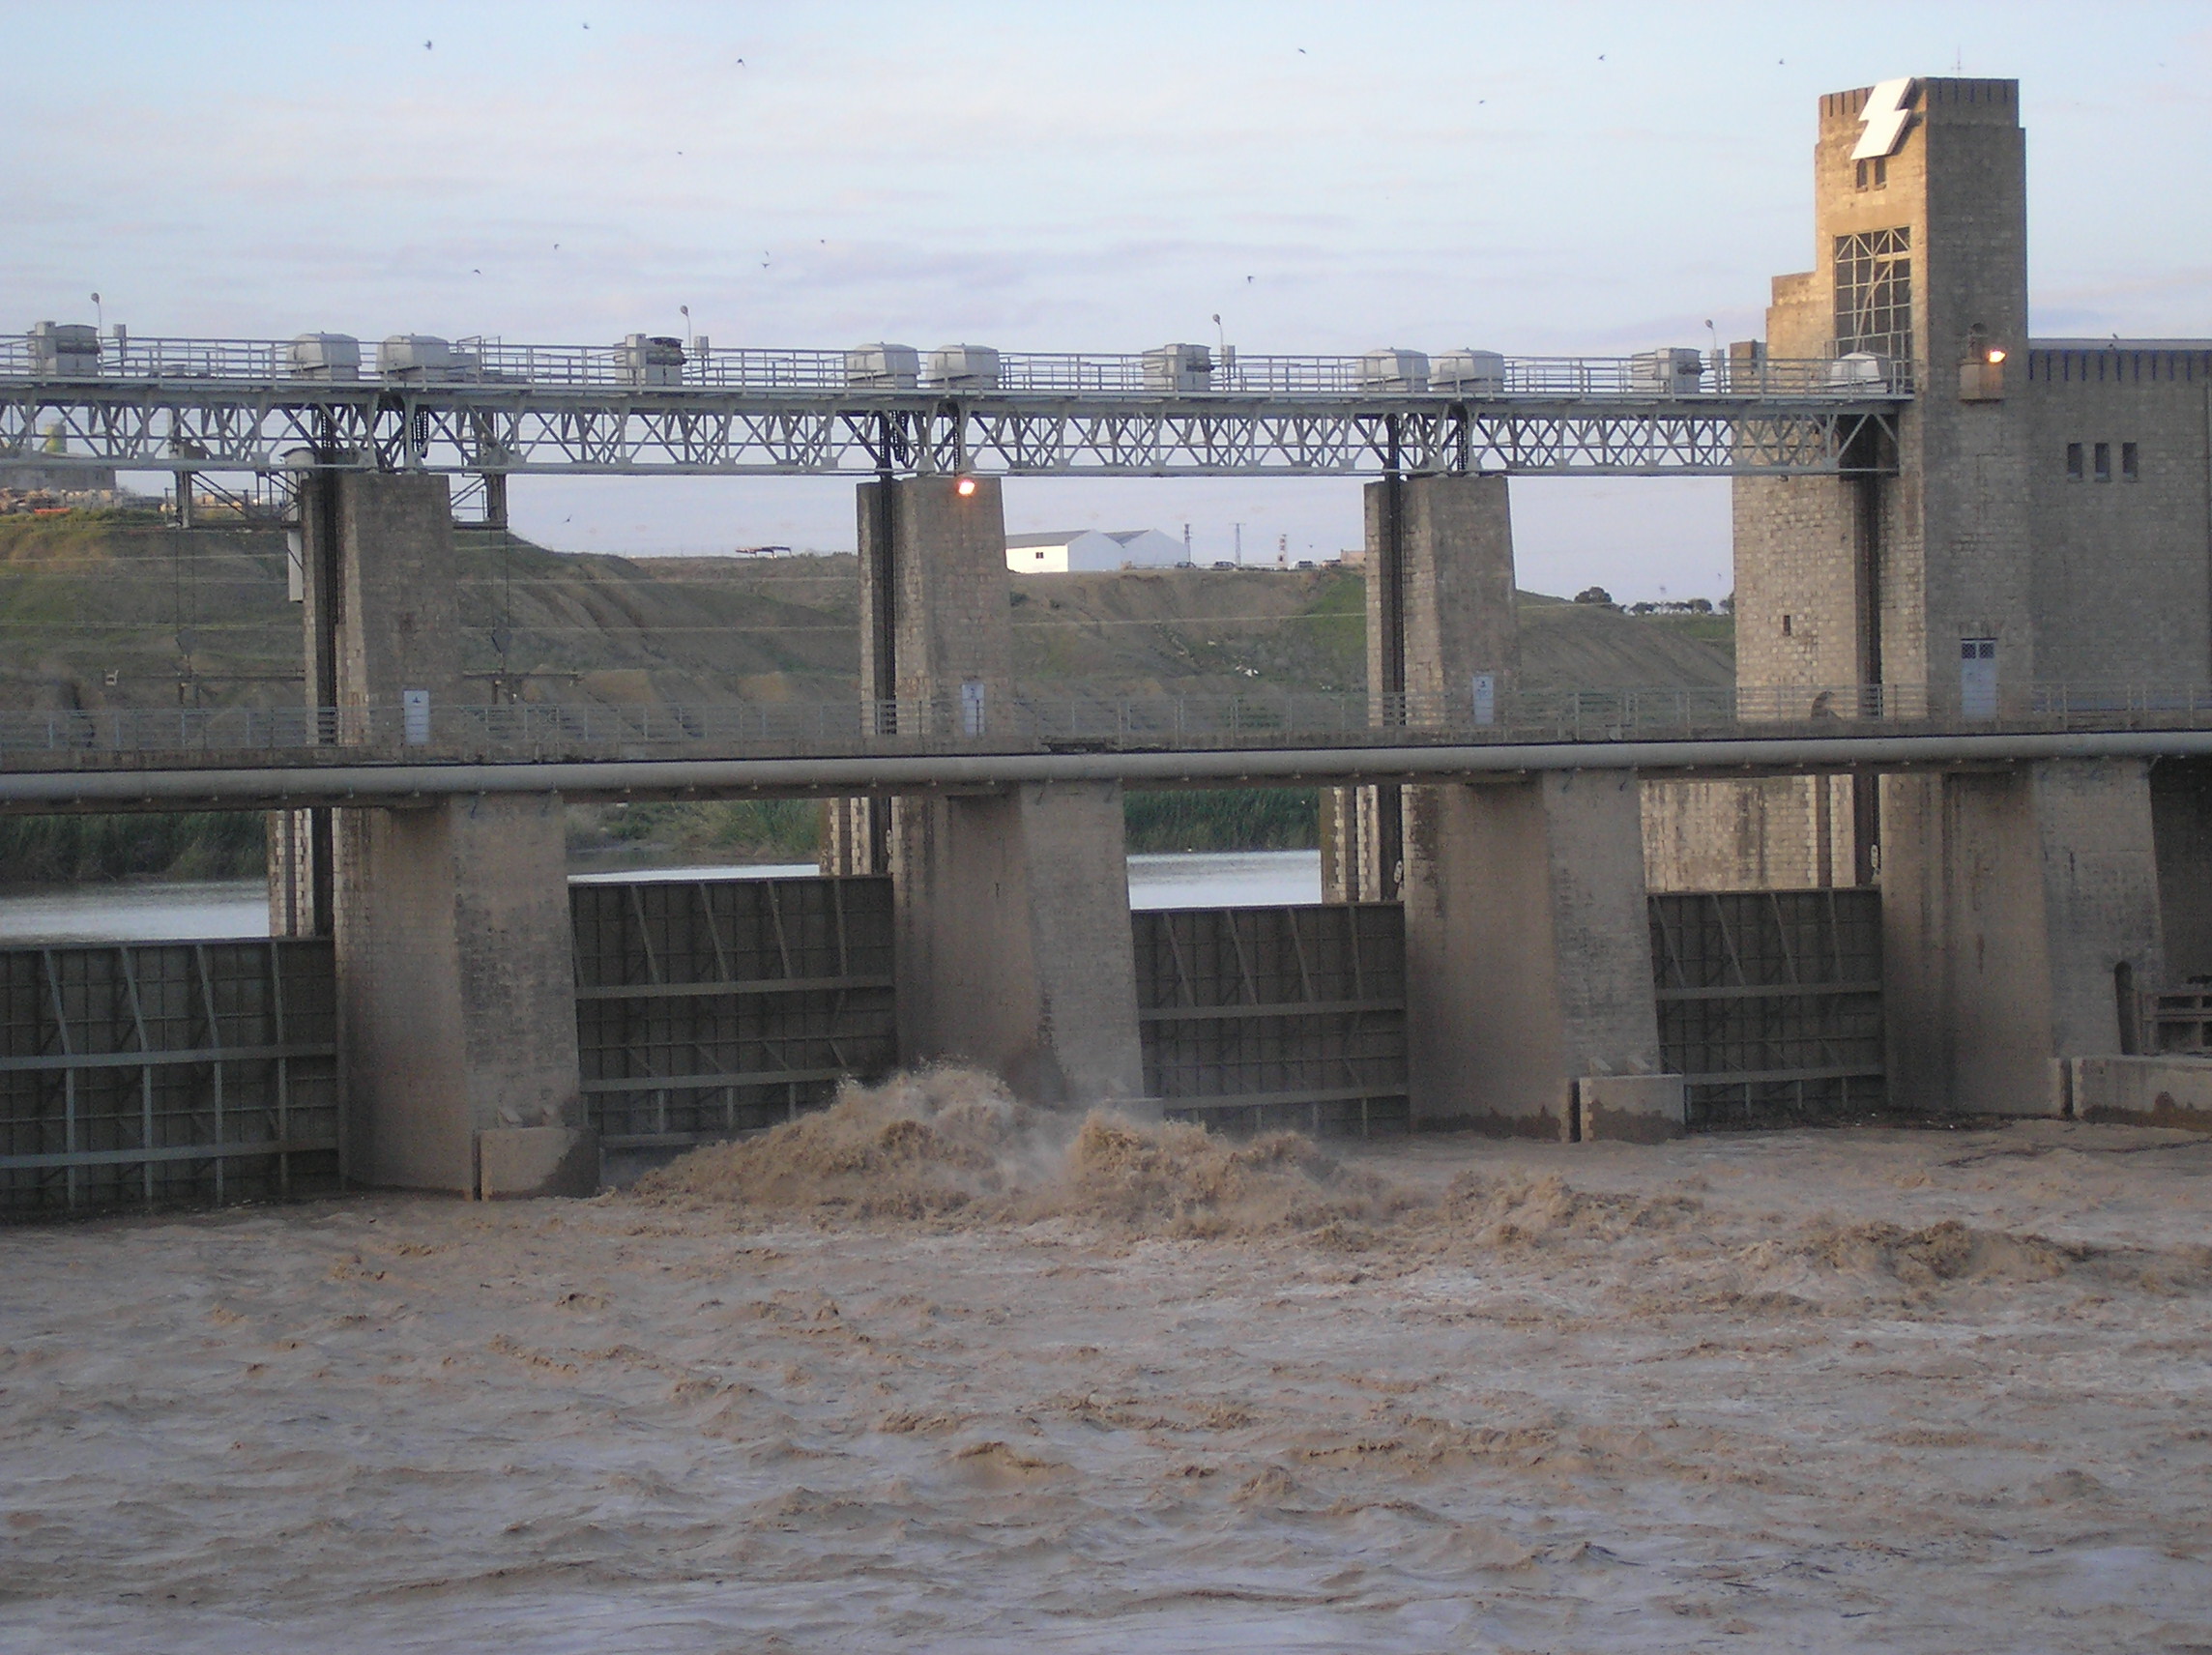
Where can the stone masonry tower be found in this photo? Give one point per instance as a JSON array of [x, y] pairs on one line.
[[2020, 909], [1922, 253], [1917, 581]]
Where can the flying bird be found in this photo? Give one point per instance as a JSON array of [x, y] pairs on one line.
[[426, 46]]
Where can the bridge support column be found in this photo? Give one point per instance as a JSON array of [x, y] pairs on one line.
[[456, 998], [1444, 648], [455, 959], [2020, 922], [1015, 945], [1527, 952], [1529, 958]]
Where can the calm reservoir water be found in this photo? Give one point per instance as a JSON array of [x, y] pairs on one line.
[[154, 911]]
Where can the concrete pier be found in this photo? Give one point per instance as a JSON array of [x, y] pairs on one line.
[[2020, 922], [1528, 954], [1014, 949], [1441, 613], [457, 996], [457, 999]]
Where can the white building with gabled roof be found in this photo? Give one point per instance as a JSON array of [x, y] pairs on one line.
[[1077, 551]]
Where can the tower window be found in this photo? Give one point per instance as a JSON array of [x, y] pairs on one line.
[[2104, 462], [2074, 462], [1787, 625], [2131, 462], [1873, 292], [1874, 174]]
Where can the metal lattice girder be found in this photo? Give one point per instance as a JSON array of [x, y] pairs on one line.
[[238, 427]]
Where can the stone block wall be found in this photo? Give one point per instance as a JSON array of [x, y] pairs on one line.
[[1457, 598], [2123, 563], [1776, 833]]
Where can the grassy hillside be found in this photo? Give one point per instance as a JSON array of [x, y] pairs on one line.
[[100, 609], [96, 609]]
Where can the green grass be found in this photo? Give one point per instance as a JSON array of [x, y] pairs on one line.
[[1233, 819], [1338, 630], [37, 850], [743, 830]]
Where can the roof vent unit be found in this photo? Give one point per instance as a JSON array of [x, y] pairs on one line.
[[650, 358], [965, 367], [882, 368], [1671, 372], [1394, 370], [65, 350], [1859, 367], [324, 356], [415, 355], [1179, 368], [1470, 373]]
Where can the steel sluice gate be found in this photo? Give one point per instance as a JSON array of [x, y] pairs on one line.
[[710, 1007], [1770, 1003], [1258, 1017], [196, 1072], [166, 1073]]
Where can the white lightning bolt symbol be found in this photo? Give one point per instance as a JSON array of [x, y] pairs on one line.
[[1885, 115]]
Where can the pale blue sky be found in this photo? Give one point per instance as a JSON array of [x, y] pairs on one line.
[[1591, 177]]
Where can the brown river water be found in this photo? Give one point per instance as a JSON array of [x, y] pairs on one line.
[[931, 1373]]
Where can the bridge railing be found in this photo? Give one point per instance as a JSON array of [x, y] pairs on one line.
[[1071, 716], [488, 361]]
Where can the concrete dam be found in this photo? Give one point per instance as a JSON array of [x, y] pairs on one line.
[[1944, 849]]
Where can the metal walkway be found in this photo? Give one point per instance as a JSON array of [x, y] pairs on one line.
[[652, 407]]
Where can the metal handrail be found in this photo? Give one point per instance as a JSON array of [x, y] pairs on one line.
[[494, 362], [526, 730]]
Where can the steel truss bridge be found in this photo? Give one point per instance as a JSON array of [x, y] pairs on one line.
[[492, 409]]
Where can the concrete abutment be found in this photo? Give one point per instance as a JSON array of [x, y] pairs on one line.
[[2020, 918]]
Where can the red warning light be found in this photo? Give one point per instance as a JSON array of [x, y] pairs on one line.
[[964, 487]]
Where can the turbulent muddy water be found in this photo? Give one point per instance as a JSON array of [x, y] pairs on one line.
[[932, 1374]]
